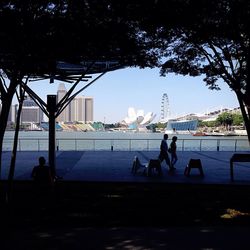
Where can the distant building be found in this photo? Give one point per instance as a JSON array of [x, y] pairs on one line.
[[77, 109], [81, 113], [89, 109], [61, 92], [137, 120], [12, 114], [31, 112], [181, 125], [80, 109]]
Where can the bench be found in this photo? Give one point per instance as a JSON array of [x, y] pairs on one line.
[[238, 158]]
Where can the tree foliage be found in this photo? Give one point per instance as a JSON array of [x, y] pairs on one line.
[[188, 37], [213, 42], [238, 120], [208, 123], [36, 36], [40, 33], [228, 119], [225, 119]]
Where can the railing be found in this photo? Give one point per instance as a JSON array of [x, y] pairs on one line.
[[41, 144]]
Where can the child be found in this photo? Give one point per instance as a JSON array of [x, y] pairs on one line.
[[173, 151]]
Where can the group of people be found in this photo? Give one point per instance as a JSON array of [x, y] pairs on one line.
[[165, 150]]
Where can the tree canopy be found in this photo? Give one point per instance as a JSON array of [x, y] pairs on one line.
[[209, 38], [48, 38], [188, 37], [41, 33]]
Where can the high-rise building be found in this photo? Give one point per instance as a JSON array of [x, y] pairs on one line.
[[79, 109], [89, 109], [12, 114], [73, 110], [31, 112], [61, 92]]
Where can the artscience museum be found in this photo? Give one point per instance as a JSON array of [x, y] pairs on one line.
[[138, 120]]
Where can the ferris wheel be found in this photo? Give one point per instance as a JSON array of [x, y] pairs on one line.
[[165, 111]]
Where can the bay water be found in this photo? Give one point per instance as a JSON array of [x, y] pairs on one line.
[[119, 140]]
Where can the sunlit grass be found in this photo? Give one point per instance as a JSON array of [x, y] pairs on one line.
[[233, 213]]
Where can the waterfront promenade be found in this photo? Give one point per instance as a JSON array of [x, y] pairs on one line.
[[99, 204], [115, 166]]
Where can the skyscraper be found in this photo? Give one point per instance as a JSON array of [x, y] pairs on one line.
[[77, 109], [61, 92], [89, 109], [80, 109]]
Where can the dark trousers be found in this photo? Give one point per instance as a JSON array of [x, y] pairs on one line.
[[174, 158], [164, 156]]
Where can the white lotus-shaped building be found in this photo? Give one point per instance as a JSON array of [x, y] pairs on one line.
[[136, 120]]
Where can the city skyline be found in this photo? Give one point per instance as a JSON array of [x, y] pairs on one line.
[[143, 89], [80, 109]]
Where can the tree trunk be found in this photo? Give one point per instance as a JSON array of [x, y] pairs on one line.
[[244, 106], [3, 118], [14, 151], [246, 97], [6, 104]]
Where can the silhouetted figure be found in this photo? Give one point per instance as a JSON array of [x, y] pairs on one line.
[[164, 152], [173, 148], [43, 179]]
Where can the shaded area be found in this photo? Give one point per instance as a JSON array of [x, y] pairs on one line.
[[100, 204], [65, 159], [106, 215], [115, 166]]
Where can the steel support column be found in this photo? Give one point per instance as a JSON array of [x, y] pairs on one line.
[[51, 107]]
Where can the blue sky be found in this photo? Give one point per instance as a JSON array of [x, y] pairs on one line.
[[118, 90]]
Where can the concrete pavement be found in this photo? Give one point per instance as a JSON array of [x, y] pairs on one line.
[[116, 166], [70, 224]]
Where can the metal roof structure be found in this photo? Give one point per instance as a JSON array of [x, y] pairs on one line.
[[70, 72]]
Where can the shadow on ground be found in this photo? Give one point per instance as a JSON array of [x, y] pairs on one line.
[[96, 215]]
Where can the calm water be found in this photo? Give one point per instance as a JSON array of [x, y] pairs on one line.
[[38, 141]]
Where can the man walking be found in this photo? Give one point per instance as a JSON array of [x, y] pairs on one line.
[[164, 152]]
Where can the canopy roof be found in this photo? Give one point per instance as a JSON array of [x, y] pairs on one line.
[[62, 39], [70, 72]]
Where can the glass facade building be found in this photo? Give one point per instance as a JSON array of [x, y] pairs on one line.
[[174, 125]]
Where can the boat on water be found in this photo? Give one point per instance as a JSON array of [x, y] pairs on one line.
[[240, 132], [215, 134], [199, 134]]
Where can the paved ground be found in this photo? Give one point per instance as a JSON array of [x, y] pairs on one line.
[[101, 205], [181, 238], [116, 166]]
